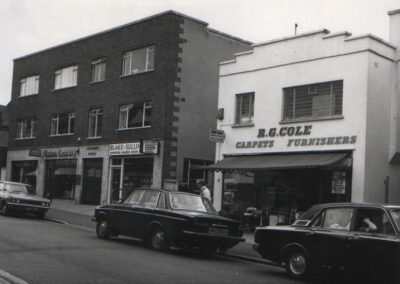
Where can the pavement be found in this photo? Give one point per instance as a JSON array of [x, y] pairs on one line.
[[67, 212]]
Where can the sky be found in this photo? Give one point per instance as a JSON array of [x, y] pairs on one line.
[[27, 26]]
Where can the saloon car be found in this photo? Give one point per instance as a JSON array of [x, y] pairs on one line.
[[344, 239], [17, 197], [164, 218]]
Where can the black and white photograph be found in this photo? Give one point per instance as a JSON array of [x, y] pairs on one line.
[[199, 141]]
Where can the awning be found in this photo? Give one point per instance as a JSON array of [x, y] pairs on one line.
[[65, 171], [277, 161]]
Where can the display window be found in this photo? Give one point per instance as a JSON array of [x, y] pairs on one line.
[[60, 179], [25, 172]]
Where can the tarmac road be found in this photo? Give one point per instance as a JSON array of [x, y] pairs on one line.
[[39, 251]]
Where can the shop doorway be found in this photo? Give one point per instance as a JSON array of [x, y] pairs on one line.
[[92, 176], [60, 179]]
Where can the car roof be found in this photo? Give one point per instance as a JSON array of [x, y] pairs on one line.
[[13, 182], [357, 204], [166, 190]]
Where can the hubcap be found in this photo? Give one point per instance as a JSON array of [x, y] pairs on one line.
[[103, 228], [297, 263], [158, 238]]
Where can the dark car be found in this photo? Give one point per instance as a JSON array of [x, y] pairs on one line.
[[168, 218], [344, 239], [17, 197]]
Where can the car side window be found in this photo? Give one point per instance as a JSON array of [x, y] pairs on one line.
[[135, 197], [317, 221], [338, 219], [373, 220], [1, 186], [161, 201], [150, 199]]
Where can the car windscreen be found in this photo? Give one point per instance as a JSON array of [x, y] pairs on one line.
[[396, 217], [190, 202], [307, 216], [15, 188]]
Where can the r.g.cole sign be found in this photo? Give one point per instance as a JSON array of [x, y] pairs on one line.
[[296, 136]]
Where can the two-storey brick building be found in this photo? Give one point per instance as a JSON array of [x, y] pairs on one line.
[[124, 108]]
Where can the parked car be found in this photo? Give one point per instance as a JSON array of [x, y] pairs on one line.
[[17, 197], [168, 218], [346, 239]]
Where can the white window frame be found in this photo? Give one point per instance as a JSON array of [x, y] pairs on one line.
[[55, 120], [98, 63], [29, 86], [239, 106], [128, 57], [94, 114], [22, 124], [125, 109], [60, 74]]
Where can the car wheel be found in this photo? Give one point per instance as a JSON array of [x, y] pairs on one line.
[[4, 209], [40, 215], [102, 229], [297, 264], [208, 250], [159, 239]]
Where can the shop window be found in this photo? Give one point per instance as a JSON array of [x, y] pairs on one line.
[[137, 61], [98, 70], [25, 172], [95, 123], [63, 124], [26, 128], [137, 173], [60, 178], [66, 77], [29, 86], [135, 115], [244, 108], [323, 100]]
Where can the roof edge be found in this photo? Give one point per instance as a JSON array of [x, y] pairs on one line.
[[393, 12], [374, 37], [211, 30]]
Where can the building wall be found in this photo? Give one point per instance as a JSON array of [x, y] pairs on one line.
[[378, 165], [196, 100]]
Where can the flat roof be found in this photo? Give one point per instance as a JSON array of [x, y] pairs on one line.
[[133, 23]]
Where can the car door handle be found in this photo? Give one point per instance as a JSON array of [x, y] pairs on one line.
[[352, 238]]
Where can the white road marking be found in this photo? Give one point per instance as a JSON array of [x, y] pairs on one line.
[[11, 278]]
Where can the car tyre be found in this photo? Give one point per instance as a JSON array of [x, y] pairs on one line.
[[208, 251], [102, 229], [159, 239], [4, 209], [297, 264], [40, 215]]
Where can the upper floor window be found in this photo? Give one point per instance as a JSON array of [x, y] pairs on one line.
[[134, 115], [62, 124], [313, 101], [95, 122], [29, 86], [26, 128], [66, 77], [139, 60], [244, 108], [98, 70]]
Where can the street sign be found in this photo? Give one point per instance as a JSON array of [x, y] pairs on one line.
[[217, 136]]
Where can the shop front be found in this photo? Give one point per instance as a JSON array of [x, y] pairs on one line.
[[25, 172], [275, 188]]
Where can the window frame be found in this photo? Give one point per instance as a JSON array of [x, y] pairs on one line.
[[60, 72], [56, 119], [98, 63], [95, 113], [239, 107], [312, 90], [20, 130], [125, 108], [128, 58], [23, 86]]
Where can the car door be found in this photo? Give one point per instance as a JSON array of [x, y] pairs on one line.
[[374, 245], [327, 240], [146, 210], [124, 216]]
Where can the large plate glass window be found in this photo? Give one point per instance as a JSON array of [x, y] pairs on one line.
[[135, 115], [244, 108], [95, 123], [66, 77], [98, 70], [62, 124], [322, 100], [26, 128], [137, 61], [29, 86]]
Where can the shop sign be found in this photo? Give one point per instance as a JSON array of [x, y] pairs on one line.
[[60, 153], [338, 182], [216, 136], [125, 149], [150, 147], [35, 153]]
